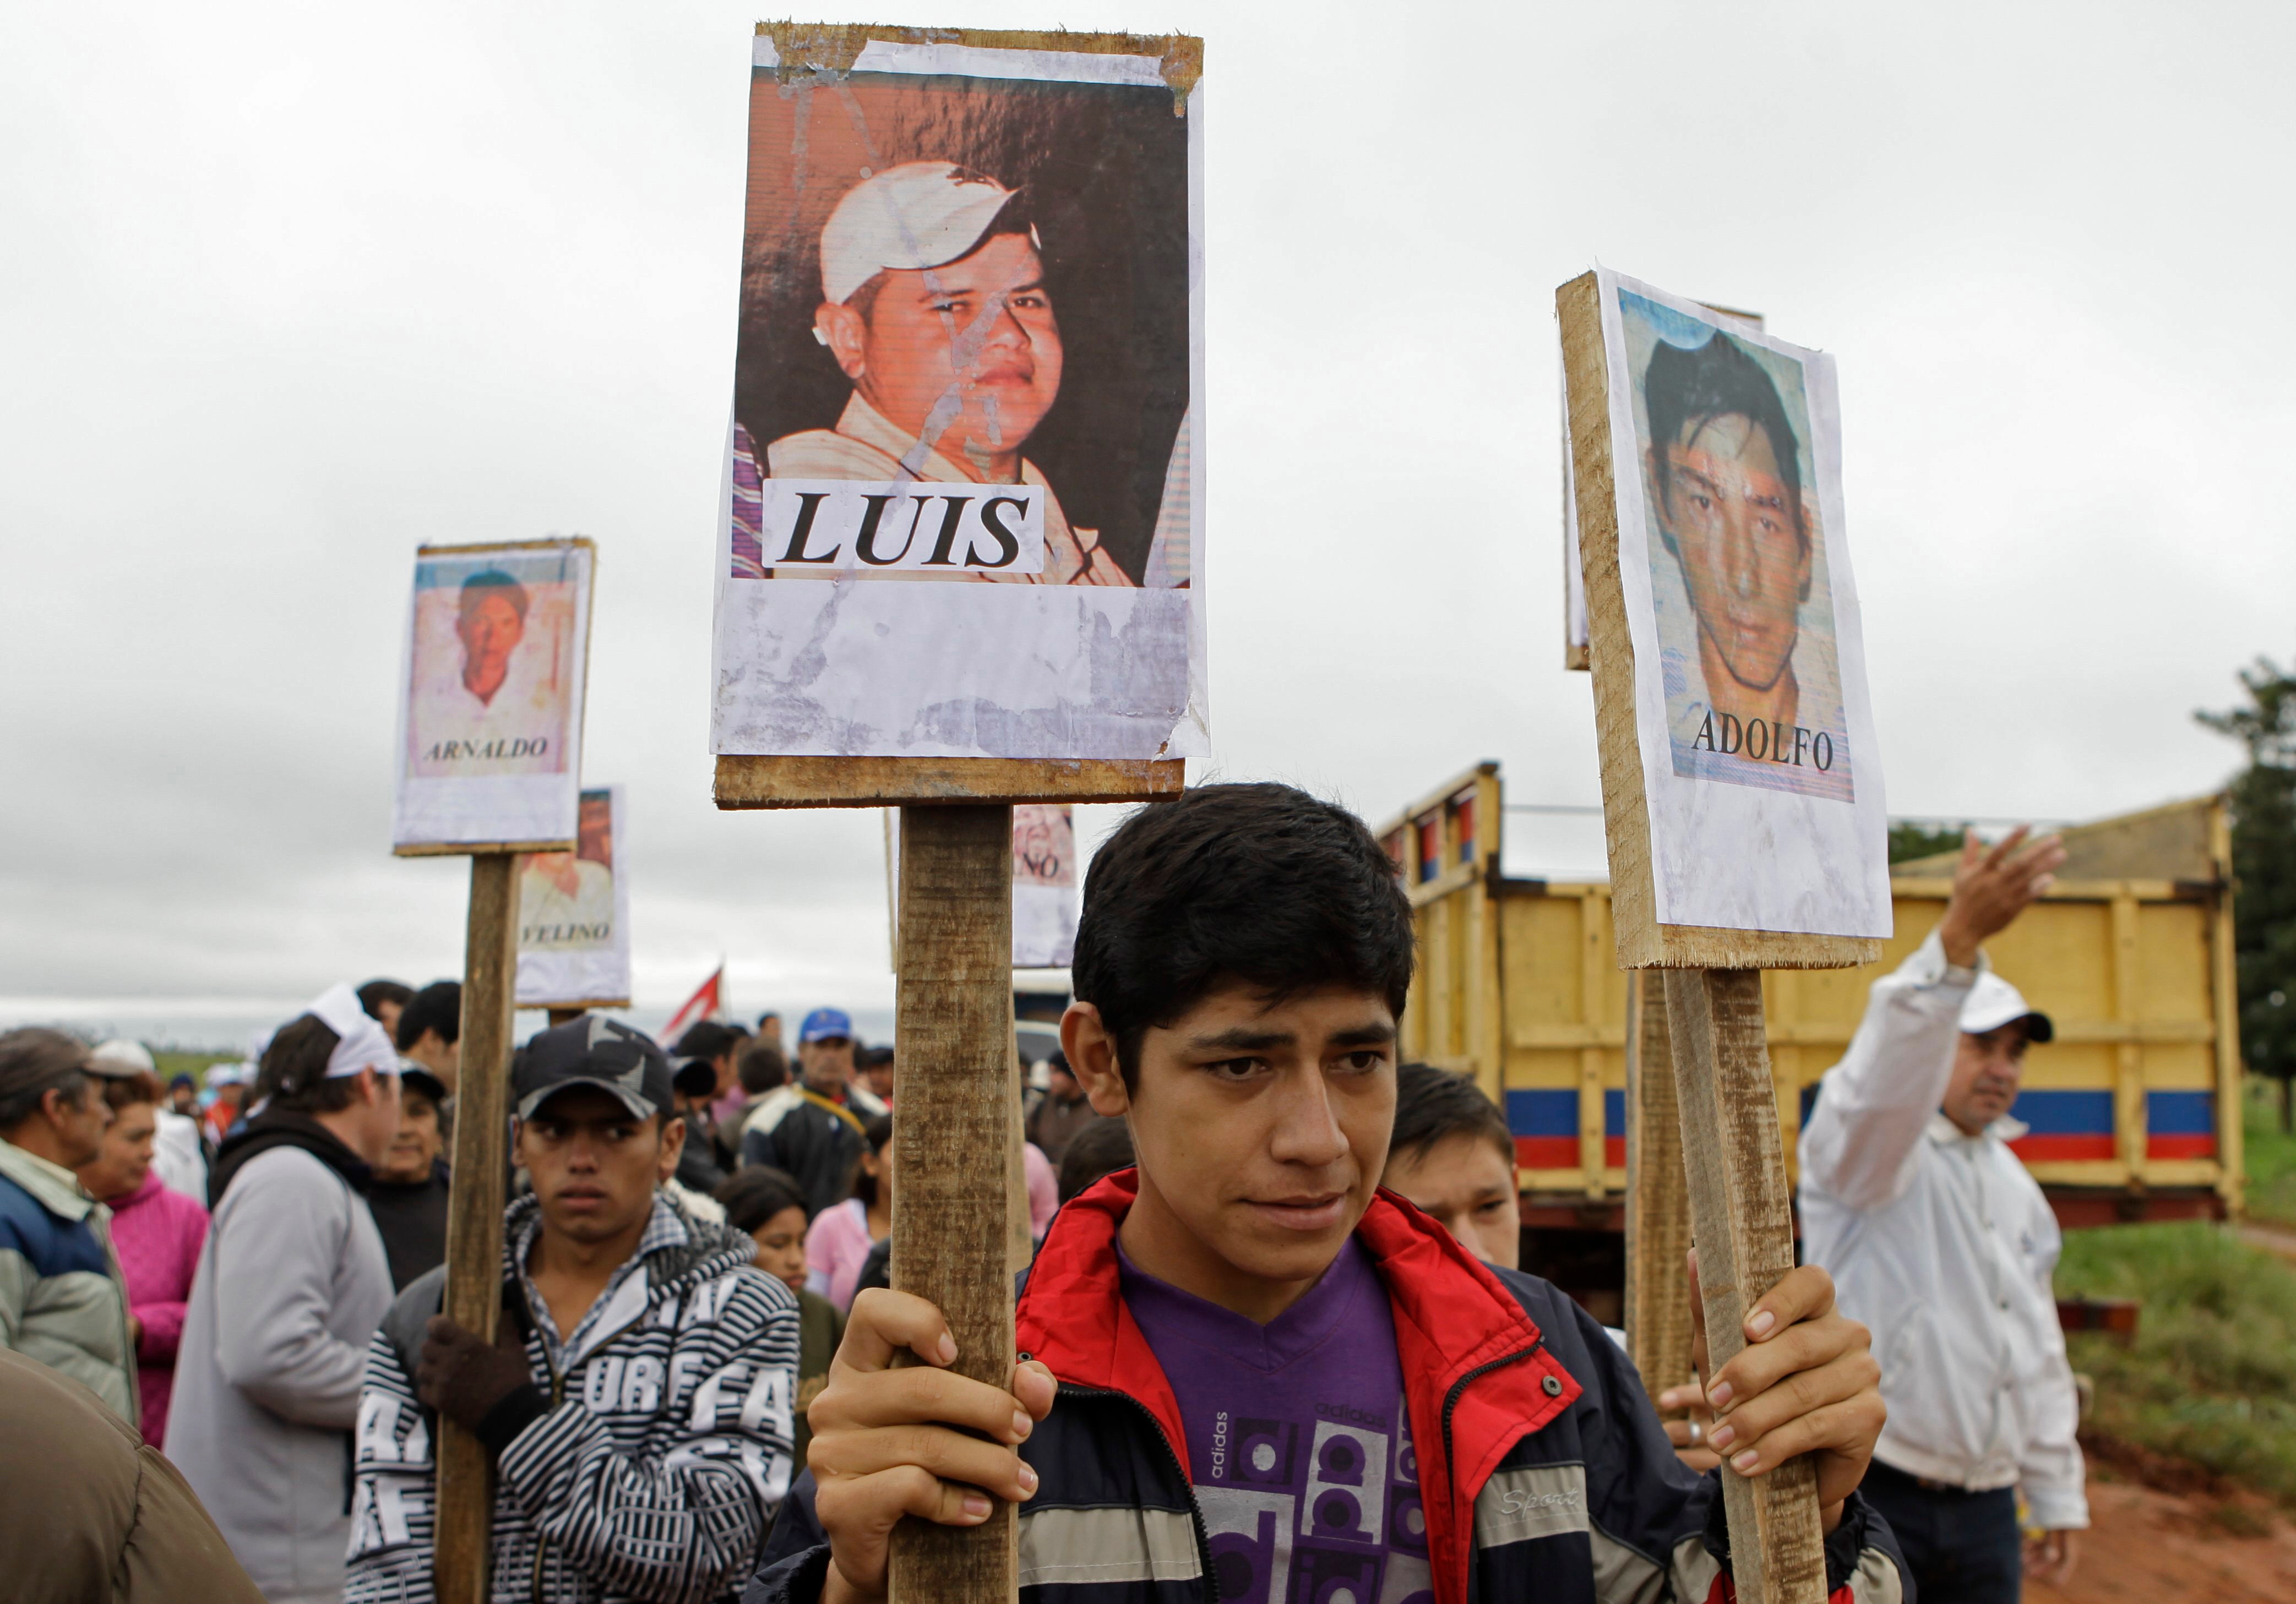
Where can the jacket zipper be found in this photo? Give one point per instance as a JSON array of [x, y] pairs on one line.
[[1450, 1468], [541, 1540], [558, 1397], [1195, 1510]]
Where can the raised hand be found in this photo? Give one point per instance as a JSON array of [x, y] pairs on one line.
[[1991, 886]]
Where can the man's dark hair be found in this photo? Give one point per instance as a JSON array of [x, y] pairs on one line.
[[757, 1192], [475, 589], [292, 1078], [760, 1068], [709, 1039], [374, 993], [870, 1057], [1261, 884], [1101, 1148], [879, 1130], [1719, 380], [125, 1091], [437, 1006], [35, 1061], [1433, 1105]]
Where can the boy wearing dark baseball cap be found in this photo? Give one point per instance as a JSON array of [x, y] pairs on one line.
[[643, 1380]]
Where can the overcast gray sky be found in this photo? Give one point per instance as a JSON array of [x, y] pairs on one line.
[[286, 289]]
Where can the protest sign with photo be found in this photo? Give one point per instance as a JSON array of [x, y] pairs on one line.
[[1044, 902], [573, 915], [962, 511], [1759, 768], [489, 750]]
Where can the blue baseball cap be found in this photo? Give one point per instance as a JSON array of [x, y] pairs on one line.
[[825, 1022]]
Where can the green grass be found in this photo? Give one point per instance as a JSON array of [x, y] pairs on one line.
[[2212, 1376], [2271, 1156], [194, 1064]]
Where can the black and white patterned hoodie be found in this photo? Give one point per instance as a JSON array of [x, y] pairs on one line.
[[645, 1463]]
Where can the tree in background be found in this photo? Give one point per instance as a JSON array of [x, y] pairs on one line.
[[2263, 800], [1912, 838]]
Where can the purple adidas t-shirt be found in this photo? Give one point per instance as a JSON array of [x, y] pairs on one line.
[[1297, 1439]]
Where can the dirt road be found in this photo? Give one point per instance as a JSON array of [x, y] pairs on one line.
[[2169, 1548]]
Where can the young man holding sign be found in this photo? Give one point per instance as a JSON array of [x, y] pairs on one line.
[[1244, 1367], [637, 1406]]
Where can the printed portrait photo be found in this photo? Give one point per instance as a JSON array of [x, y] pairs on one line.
[[964, 349], [1738, 565], [566, 899], [1043, 844], [495, 668], [1045, 902]]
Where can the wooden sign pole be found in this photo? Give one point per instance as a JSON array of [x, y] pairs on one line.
[[463, 1545], [956, 1140], [1741, 1216], [1657, 1210], [953, 1138]]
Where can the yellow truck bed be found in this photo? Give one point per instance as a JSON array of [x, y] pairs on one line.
[[2134, 1107]]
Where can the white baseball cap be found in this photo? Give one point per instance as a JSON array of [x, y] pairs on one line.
[[132, 1057], [920, 214], [1993, 1002]]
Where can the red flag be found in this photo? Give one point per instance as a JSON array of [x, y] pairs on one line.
[[707, 1003]]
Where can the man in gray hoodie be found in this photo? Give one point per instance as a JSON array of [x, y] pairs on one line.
[[290, 1289]]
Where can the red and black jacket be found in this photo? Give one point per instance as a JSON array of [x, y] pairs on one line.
[[1544, 1473]]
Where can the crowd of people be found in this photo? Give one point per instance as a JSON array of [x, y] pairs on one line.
[[1275, 1338]]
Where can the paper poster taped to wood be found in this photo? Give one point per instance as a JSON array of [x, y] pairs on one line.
[[1758, 764], [1045, 901], [489, 748], [573, 915], [962, 509], [1045, 904]]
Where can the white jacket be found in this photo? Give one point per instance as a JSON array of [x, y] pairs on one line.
[[1943, 1245]]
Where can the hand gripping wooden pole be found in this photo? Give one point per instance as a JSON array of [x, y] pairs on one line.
[[1742, 1216], [474, 1213], [1657, 1210], [953, 1147], [959, 1210]]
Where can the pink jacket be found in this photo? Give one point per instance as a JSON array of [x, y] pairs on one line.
[[836, 1246], [157, 1234]]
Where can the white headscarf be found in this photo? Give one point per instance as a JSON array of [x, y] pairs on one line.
[[363, 1045]]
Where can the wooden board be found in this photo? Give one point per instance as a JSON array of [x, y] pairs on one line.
[[955, 1091], [474, 1213], [479, 848], [1642, 941], [744, 782], [1658, 1203], [1742, 1218]]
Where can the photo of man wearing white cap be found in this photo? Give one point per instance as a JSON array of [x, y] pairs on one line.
[[969, 347], [934, 305], [1939, 1239]]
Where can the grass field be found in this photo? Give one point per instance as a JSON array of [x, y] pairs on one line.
[[2211, 1377], [2271, 1156], [194, 1064]]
